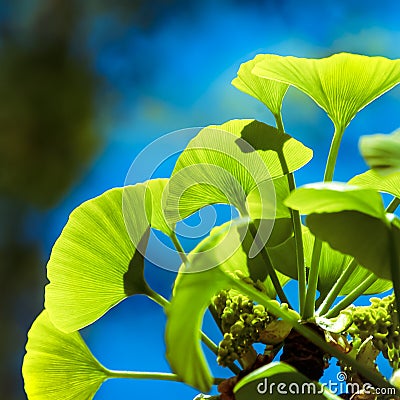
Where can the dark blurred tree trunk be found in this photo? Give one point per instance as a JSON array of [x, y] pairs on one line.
[[47, 139]]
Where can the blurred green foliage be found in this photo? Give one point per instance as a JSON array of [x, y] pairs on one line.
[[48, 138], [46, 110], [46, 125]]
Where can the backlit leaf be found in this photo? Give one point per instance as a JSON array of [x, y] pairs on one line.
[[351, 219], [269, 92], [193, 292], [59, 365], [283, 257], [373, 180], [224, 164], [155, 213], [333, 197], [95, 263], [216, 256], [333, 263], [255, 267], [364, 237], [255, 205], [279, 381], [382, 152], [341, 84]]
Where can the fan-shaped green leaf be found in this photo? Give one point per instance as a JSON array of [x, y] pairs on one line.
[[219, 254], [351, 219], [333, 197], [269, 92], [279, 381], [193, 292], [341, 84], [373, 180], [255, 267], [283, 257], [142, 207], [382, 152], [333, 263], [155, 212], [223, 164], [359, 275], [281, 231], [364, 237], [94, 263], [59, 365], [256, 207]]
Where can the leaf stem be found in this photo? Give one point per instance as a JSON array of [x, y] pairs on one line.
[[345, 275], [333, 153], [273, 307], [296, 221], [353, 295], [179, 248], [309, 306], [279, 122], [157, 298], [160, 376], [298, 236], [337, 287], [270, 268], [301, 267], [391, 208], [394, 267], [309, 309]]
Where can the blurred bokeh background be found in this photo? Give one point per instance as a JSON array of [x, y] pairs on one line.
[[85, 85]]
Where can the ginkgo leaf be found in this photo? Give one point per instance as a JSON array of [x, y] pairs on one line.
[[196, 285], [351, 219], [224, 164], [255, 267], [155, 213], [341, 84], [59, 365], [255, 205], [278, 381], [331, 197], [182, 335], [98, 259], [382, 152], [269, 92], [360, 275], [142, 207], [333, 263], [374, 180], [351, 232], [283, 257]]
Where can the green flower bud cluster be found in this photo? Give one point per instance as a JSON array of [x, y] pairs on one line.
[[380, 321], [241, 322]]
